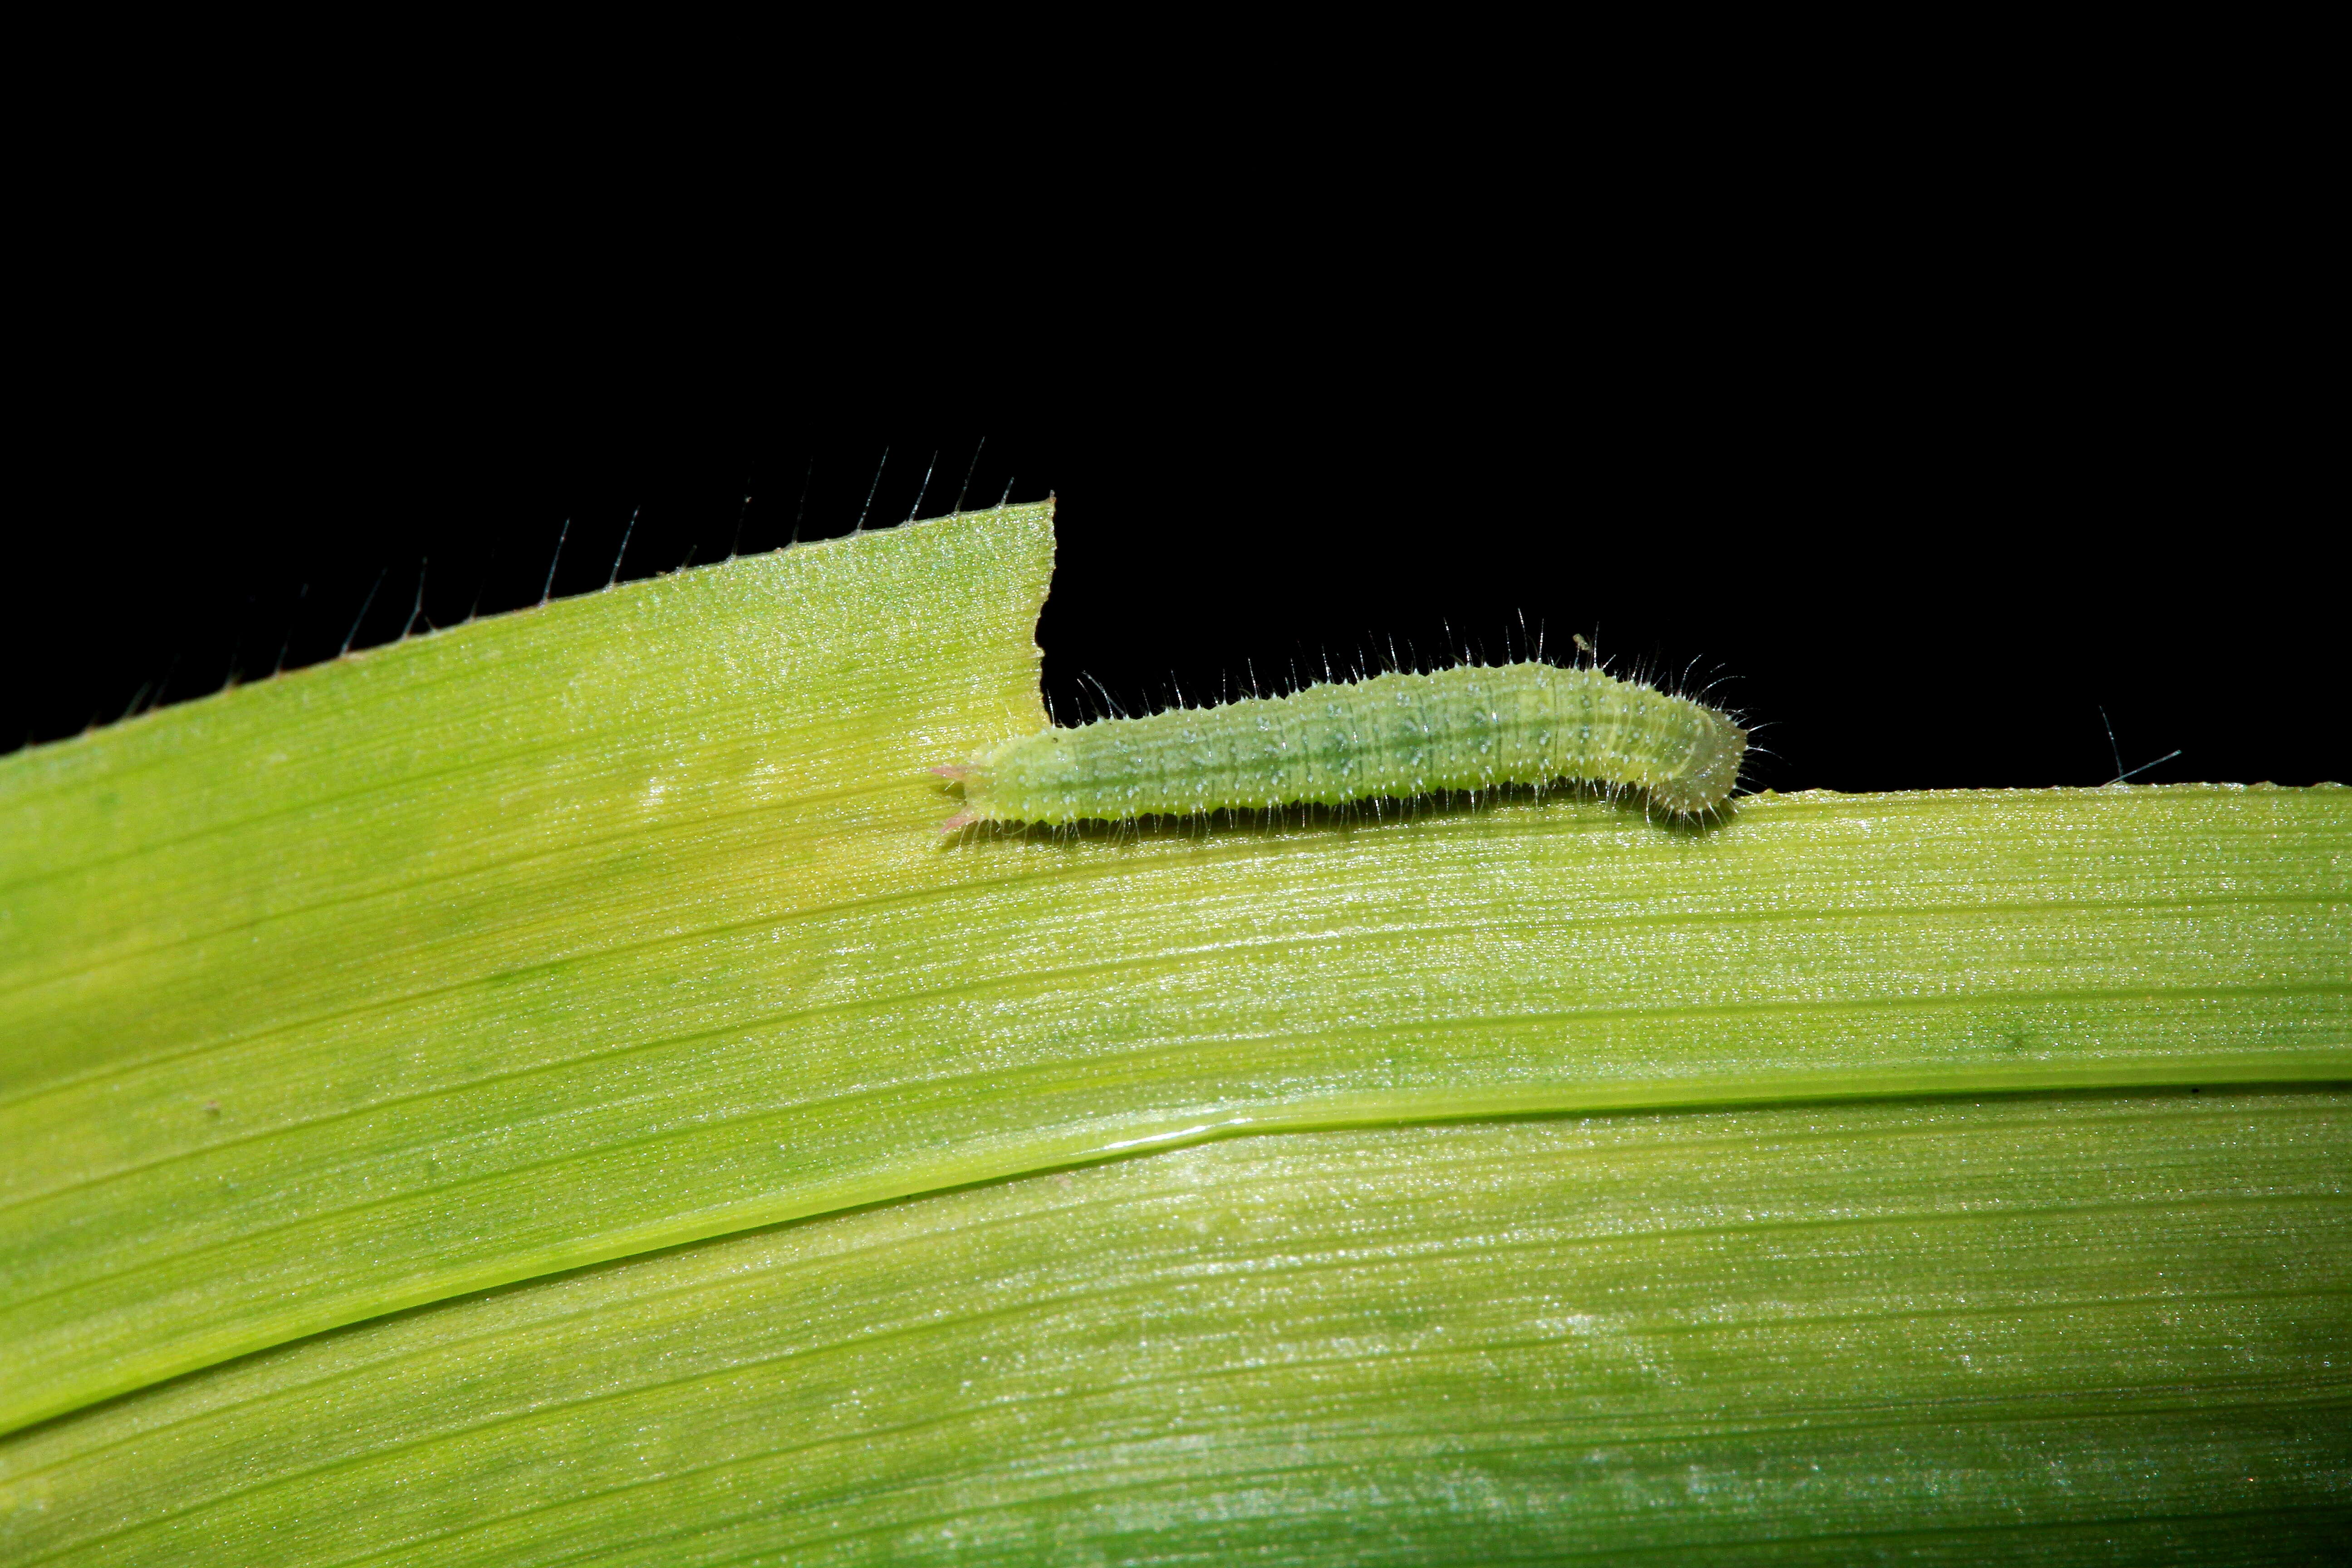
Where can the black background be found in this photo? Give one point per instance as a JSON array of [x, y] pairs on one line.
[[1935, 458]]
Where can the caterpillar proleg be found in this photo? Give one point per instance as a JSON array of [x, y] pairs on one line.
[[1397, 735]]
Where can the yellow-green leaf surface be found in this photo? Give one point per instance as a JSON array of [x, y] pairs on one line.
[[622, 924], [2039, 1328]]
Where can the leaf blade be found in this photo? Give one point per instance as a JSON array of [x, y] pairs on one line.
[[555, 973], [2100, 1317]]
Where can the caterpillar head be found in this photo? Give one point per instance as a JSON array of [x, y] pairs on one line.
[[1708, 776]]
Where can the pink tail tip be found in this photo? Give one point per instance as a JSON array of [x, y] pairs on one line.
[[957, 771], [961, 820]]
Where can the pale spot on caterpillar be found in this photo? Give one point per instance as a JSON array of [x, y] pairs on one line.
[[1399, 736]]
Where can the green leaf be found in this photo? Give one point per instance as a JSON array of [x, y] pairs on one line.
[[623, 923], [2046, 1328]]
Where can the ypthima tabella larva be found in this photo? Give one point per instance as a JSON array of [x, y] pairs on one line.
[[1397, 735]]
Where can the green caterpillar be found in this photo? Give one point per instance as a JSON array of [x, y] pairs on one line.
[[1392, 736]]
